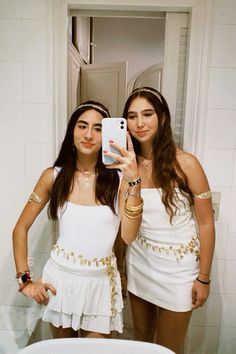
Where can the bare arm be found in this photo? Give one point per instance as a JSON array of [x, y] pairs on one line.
[[203, 210], [26, 219], [130, 200]]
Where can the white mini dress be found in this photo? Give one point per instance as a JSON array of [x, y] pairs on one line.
[[83, 270], [162, 263]]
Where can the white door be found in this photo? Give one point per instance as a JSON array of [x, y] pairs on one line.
[[105, 83]]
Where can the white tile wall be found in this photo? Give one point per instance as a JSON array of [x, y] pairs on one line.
[[25, 149], [35, 160], [224, 46], [11, 88], [35, 40], [25, 122], [10, 9], [9, 152], [11, 40], [11, 122], [234, 170], [34, 9], [222, 88], [225, 12], [218, 164], [220, 129], [35, 83], [36, 122], [227, 340], [221, 241]]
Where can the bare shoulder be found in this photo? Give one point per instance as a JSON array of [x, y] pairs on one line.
[[45, 181], [187, 161], [194, 171]]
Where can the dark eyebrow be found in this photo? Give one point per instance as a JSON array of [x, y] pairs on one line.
[[86, 123]]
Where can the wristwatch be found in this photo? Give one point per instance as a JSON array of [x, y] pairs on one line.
[[23, 277]]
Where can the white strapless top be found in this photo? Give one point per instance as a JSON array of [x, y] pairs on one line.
[[156, 224], [87, 230]]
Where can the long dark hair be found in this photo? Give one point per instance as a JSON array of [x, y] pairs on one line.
[[167, 172], [107, 181]]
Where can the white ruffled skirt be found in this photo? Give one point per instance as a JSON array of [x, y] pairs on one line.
[[87, 297]]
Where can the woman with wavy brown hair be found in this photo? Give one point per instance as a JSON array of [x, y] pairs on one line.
[[80, 289], [169, 263]]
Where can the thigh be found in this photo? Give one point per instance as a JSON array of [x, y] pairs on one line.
[[144, 318], [59, 332], [88, 334], [172, 328]]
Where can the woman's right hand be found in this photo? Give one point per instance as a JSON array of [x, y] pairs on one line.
[[38, 291]]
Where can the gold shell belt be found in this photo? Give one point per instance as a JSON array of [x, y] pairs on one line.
[[191, 247], [105, 261]]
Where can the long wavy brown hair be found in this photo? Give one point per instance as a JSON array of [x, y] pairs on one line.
[[107, 181], [167, 172]]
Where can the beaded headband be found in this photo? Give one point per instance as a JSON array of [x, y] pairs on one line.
[[91, 105], [147, 90]]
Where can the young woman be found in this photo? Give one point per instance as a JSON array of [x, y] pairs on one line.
[[80, 286], [169, 263]]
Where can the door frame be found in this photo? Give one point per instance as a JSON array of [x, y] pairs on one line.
[[201, 19]]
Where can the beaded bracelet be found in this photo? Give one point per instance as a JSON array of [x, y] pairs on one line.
[[203, 282], [134, 182]]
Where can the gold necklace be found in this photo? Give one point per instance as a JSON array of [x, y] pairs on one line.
[[88, 176]]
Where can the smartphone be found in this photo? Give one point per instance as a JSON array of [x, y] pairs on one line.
[[113, 129]]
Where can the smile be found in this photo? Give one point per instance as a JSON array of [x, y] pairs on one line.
[[88, 145], [141, 133]]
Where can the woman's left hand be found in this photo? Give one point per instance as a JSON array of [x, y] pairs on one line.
[[126, 162], [200, 293]]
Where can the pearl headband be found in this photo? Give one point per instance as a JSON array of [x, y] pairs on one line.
[[91, 105], [147, 90]]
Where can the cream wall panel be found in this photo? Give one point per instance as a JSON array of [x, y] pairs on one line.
[[11, 82], [220, 129], [35, 40], [222, 88], [11, 122], [11, 40]]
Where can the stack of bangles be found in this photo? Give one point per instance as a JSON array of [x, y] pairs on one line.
[[23, 279], [131, 211]]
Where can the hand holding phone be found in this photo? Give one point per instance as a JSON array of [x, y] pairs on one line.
[[113, 129]]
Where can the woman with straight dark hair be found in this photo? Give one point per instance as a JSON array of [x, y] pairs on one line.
[[80, 287], [169, 263]]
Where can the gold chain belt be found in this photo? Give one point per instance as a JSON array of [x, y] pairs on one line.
[[191, 247], [105, 261]]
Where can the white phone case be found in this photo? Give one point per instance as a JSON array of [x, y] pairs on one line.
[[113, 129]]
